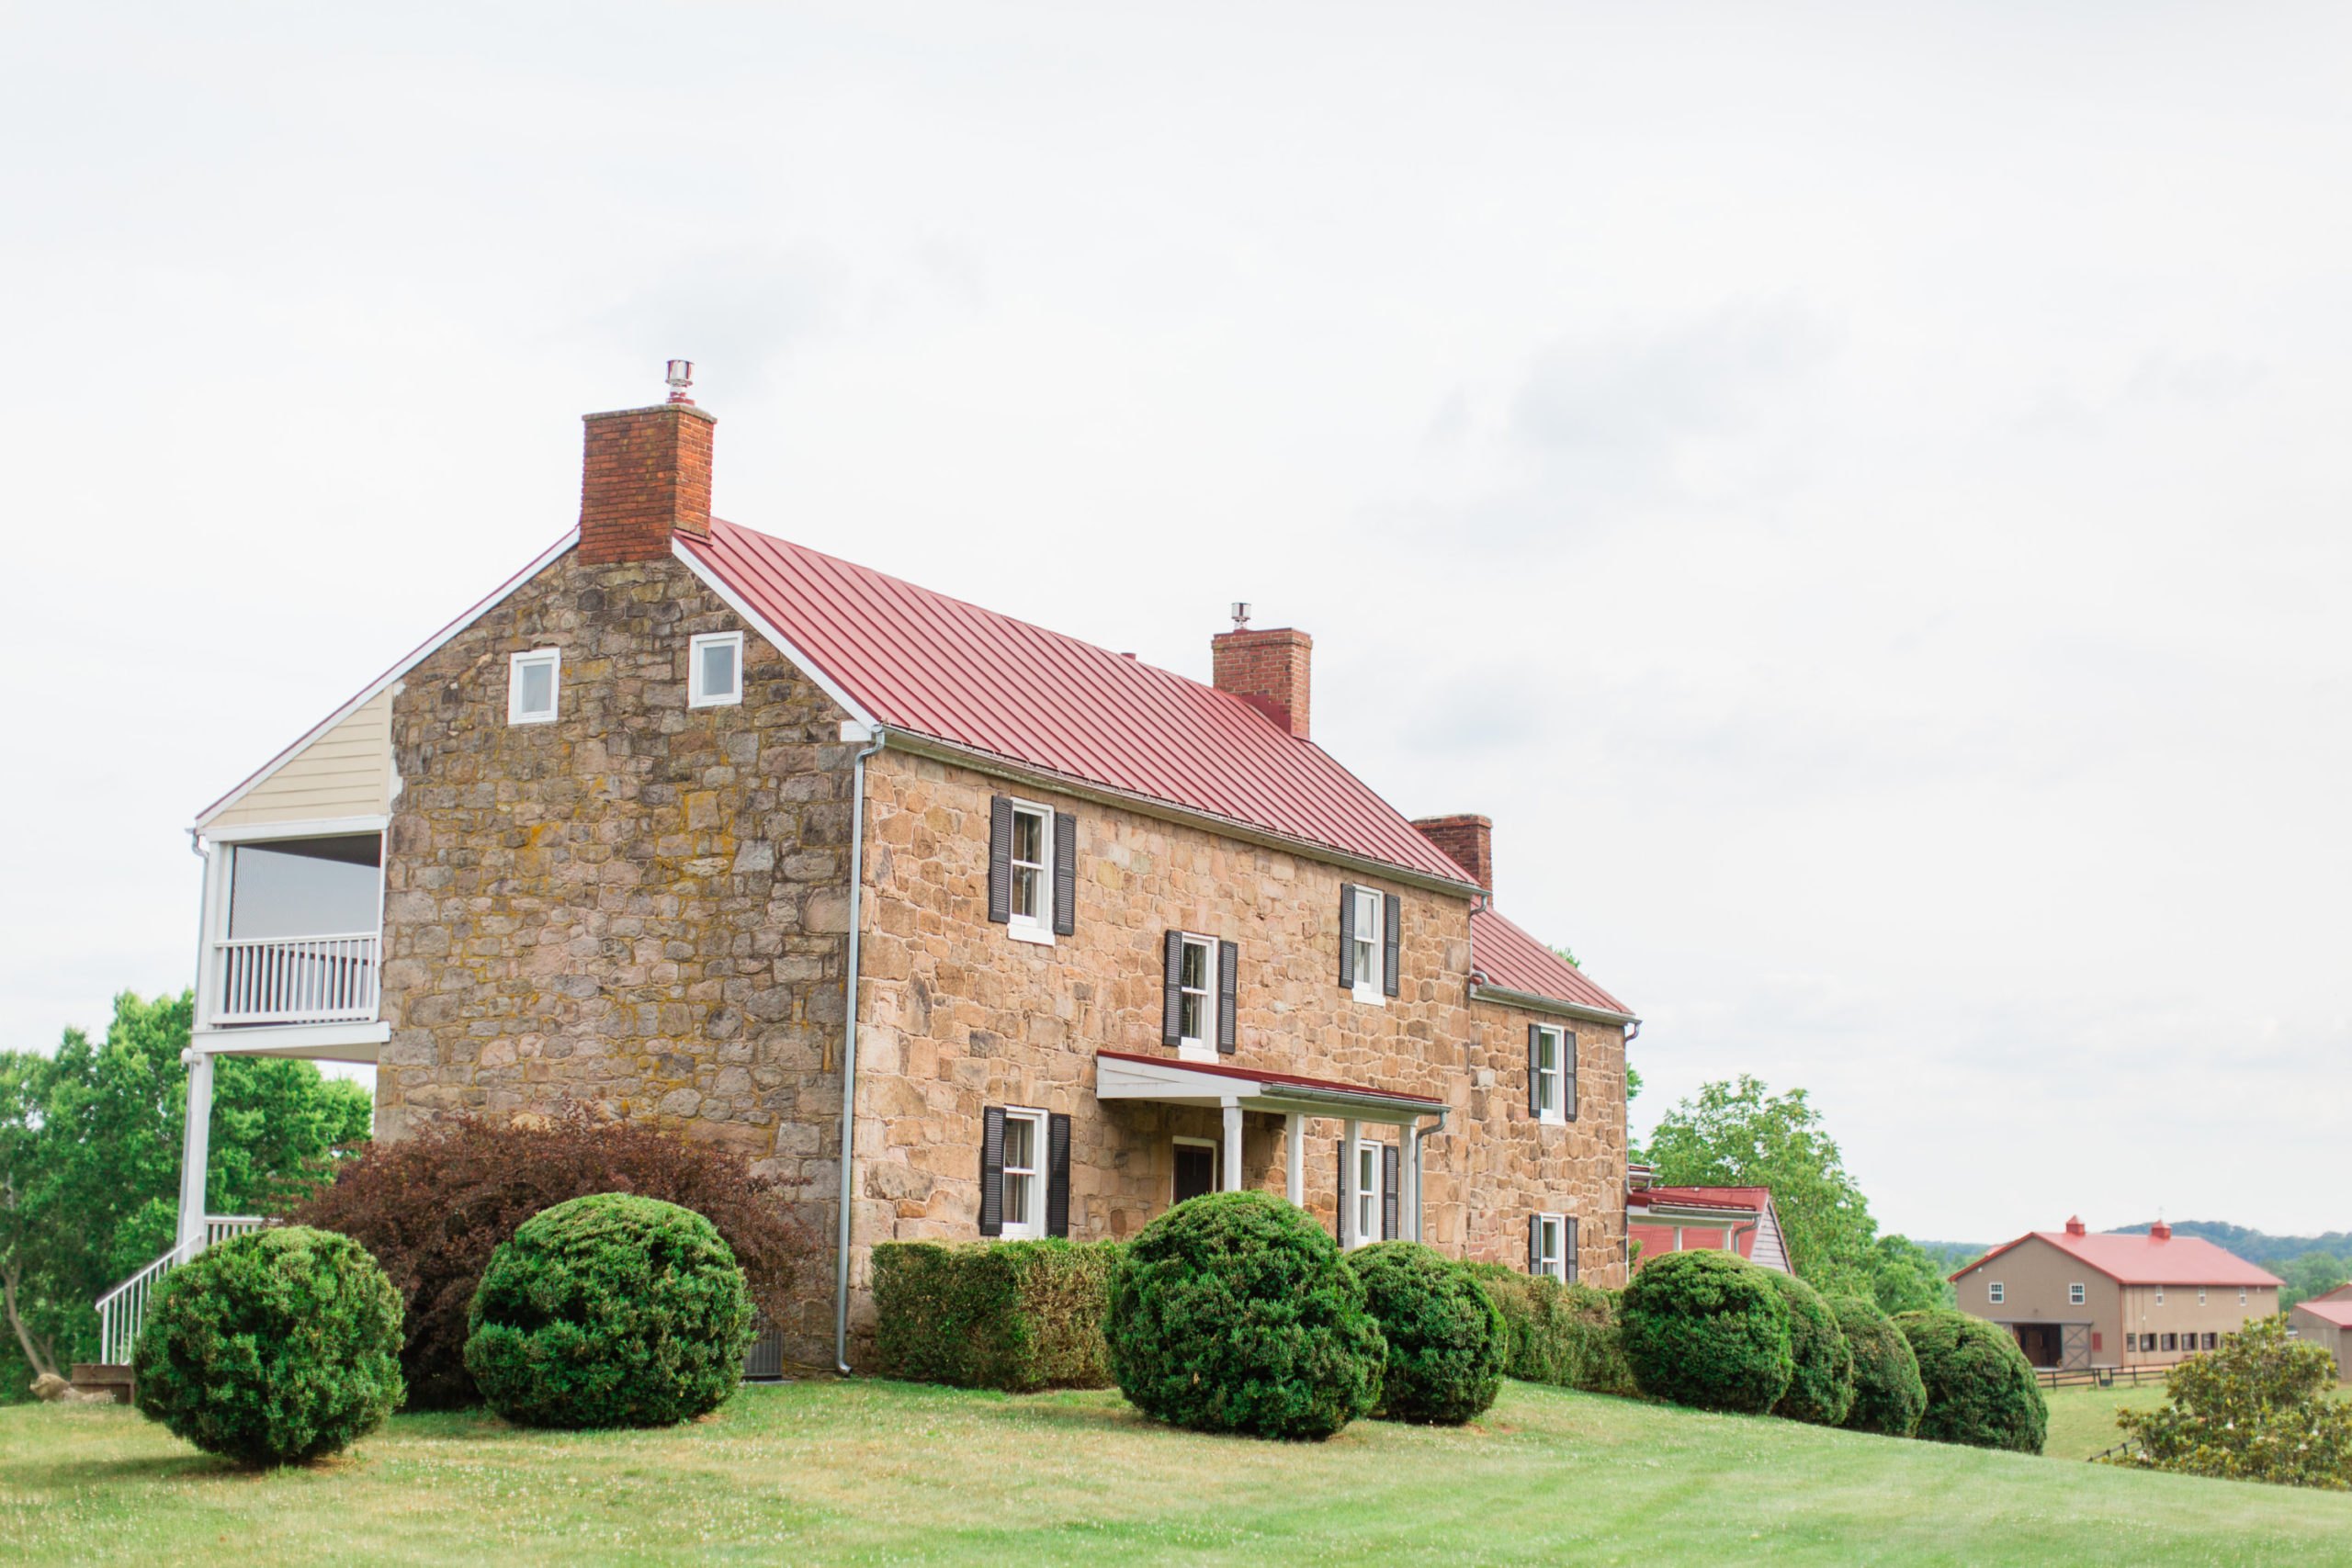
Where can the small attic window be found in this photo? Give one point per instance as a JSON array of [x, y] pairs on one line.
[[532, 680], [716, 661]]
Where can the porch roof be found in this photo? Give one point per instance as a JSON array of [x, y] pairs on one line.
[[1119, 1075]]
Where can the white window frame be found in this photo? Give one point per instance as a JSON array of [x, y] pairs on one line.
[[1365, 1192], [2075, 1295], [1551, 1246], [1216, 1163], [1995, 1293], [2160, 1295], [2200, 1295], [1371, 978], [2241, 1295], [1551, 1087], [1037, 927], [515, 664], [696, 696], [1200, 1047], [1031, 1224]]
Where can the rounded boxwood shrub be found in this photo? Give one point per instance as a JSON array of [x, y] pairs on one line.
[[272, 1348], [1820, 1382], [1235, 1313], [1888, 1395], [610, 1311], [1981, 1389], [1447, 1344], [1706, 1329]]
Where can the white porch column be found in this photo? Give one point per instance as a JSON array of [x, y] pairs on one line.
[[1347, 1187], [1232, 1146], [1411, 1173], [1295, 1155], [196, 1150]]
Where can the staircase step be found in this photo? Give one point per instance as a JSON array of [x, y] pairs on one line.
[[103, 1377]]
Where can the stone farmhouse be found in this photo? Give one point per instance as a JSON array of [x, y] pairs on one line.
[[962, 927], [2074, 1300]]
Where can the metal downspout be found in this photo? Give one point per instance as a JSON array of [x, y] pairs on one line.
[[848, 1046], [1421, 1198]]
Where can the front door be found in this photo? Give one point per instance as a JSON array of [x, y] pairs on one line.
[[1196, 1171]]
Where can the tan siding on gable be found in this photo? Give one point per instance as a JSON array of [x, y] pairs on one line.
[[347, 772]]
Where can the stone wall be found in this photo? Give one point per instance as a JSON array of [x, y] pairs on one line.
[[641, 907], [958, 1016]]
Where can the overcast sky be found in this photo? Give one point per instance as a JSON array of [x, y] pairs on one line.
[[1857, 495]]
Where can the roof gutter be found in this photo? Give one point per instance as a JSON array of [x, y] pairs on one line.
[[848, 1046], [995, 766], [1505, 997]]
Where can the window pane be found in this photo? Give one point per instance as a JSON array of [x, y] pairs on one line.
[[1191, 970], [1024, 891], [1017, 1142], [717, 669], [292, 889], [538, 687], [1189, 1026], [1016, 1199], [1028, 837]]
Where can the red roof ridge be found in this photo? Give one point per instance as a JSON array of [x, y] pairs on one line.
[[2187, 1260]]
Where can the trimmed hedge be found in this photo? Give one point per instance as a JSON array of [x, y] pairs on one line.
[[1019, 1316], [1707, 1329], [1235, 1313], [1447, 1342], [1888, 1395], [1565, 1335], [1981, 1389], [1821, 1384], [610, 1311], [272, 1348]]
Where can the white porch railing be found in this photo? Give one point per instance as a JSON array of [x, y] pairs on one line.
[[296, 979], [123, 1310]]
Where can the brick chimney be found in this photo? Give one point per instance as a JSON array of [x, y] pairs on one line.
[[645, 477], [1469, 839], [1266, 669]]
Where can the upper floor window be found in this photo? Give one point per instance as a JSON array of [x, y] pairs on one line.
[[1196, 996], [716, 663], [2074, 1296], [2160, 1295], [2200, 1295], [531, 686], [1033, 869], [1550, 1081], [1995, 1293], [1369, 933], [2241, 1297]]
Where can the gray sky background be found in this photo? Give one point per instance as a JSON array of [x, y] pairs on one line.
[[1856, 494]]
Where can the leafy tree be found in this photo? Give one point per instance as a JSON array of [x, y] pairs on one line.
[[90, 1155], [2260, 1408], [1905, 1278], [2314, 1274], [1738, 1134]]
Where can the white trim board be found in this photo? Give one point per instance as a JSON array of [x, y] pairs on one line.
[[416, 656], [308, 1041], [315, 827]]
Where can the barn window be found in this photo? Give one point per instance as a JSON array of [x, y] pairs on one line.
[[2074, 1296], [1995, 1293]]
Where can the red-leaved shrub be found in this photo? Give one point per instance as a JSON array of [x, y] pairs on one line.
[[431, 1208]]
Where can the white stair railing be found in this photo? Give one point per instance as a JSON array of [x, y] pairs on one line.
[[123, 1310], [296, 979]]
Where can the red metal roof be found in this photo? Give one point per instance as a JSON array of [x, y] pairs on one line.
[[2142, 1259], [1255, 1074], [1510, 958], [1742, 1200], [921, 661], [2327, 1311]]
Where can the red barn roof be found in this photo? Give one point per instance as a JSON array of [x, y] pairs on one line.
[[919, 660], [1508, 958], [2140, 1259], [2327, 1311]]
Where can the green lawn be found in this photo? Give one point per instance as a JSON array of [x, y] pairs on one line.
[[871, 1472]]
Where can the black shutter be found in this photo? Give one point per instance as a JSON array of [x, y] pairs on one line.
[[1347, 933], [1065, 873], [1388, 1192], [1058, 1175], [1229, 982], [1568, 1249], [1396, 934], [1568, 1074], [992, 1171], [1535, 1244], [1340, 1217], [1171, 994], [1535, 1069], [1001, 858]]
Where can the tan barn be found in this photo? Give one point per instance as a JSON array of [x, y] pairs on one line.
[[2326, 1321], [2074, 1300]]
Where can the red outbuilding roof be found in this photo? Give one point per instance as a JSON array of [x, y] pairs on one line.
[[2335, 1312], [1741, 1199], [921, 661], [2140, 1259], [1508, 958]]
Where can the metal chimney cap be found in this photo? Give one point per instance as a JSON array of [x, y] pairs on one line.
[[680, 374], [1240, 615]]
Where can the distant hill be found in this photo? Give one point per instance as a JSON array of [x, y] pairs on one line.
[[1950, 1254], [2255, 1246]]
